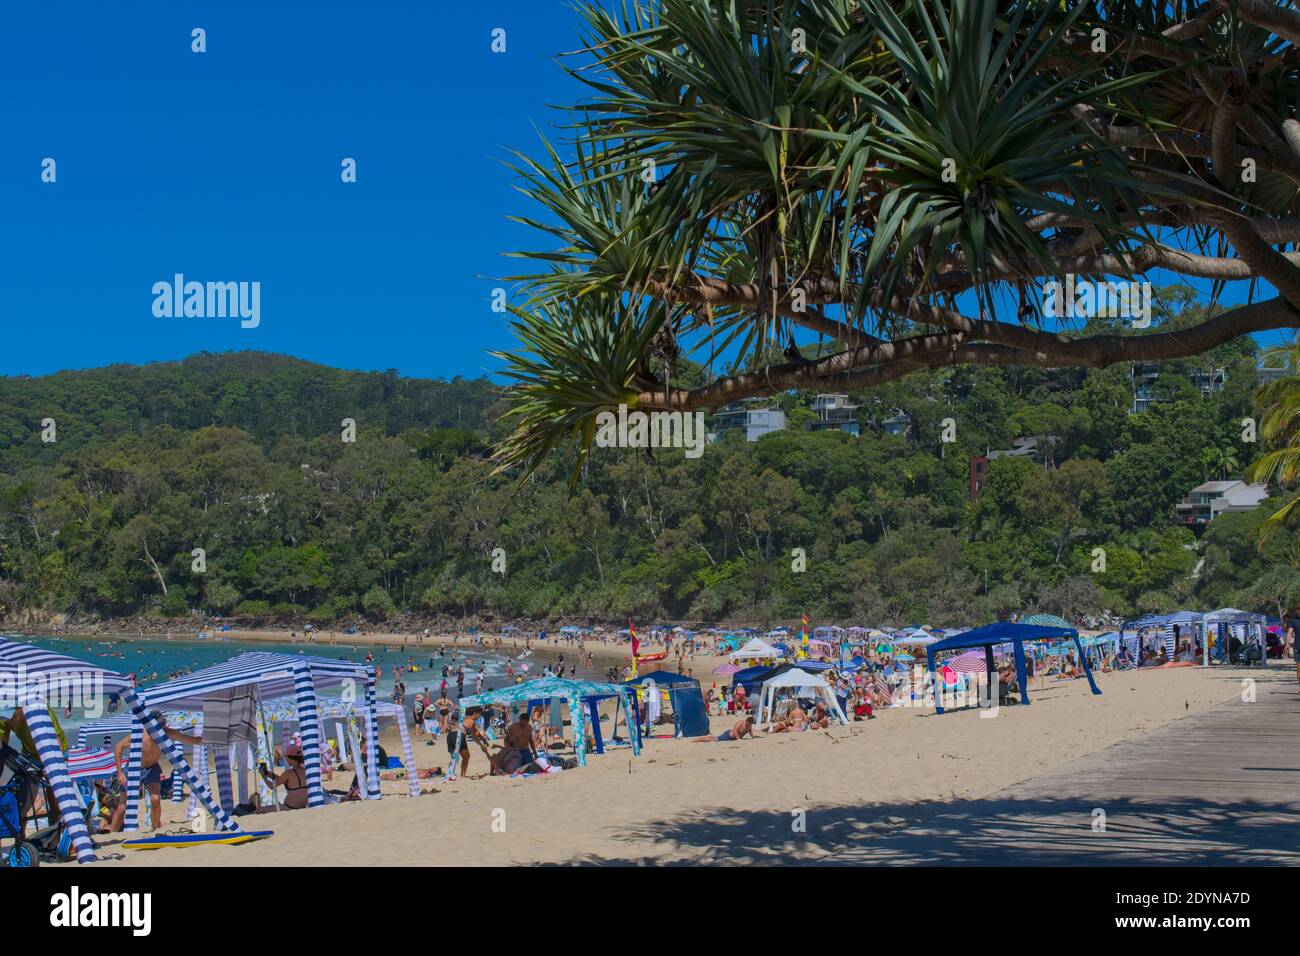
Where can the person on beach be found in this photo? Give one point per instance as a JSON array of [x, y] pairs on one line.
[[417, 711], [468, 730], [151, 770], [293, 779], [443, 706], [519, 738], [795, 720], [742, 728], [1294, 643]]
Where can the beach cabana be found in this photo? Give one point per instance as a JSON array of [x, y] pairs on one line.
[[36, 679], [690, 717], [802, 684], [230, 695], [756, 650], [1005, 632], [582, 696], [1227, 623]]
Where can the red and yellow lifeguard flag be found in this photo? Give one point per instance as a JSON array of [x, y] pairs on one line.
[[636, 644], [803, 639]]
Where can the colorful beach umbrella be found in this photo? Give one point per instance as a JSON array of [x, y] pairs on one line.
[[971, 662], [726, 669]]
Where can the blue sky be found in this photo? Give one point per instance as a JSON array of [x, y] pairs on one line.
[[225, 166]]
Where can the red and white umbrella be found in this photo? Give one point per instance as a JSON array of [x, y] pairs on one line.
[[971, 662]]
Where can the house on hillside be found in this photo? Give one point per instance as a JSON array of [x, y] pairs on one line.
[[753, 418], [1144, 375], [1020, 448], [1207, 501], [835, 413]]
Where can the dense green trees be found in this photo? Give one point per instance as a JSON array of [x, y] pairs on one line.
[[295, 522]]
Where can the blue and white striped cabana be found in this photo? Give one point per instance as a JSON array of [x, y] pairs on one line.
[[35, 679], [272, 675]]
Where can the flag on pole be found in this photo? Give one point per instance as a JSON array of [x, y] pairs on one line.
[[636, 645], [803, 640]]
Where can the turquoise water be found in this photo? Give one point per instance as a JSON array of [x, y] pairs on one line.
[[154, 661]]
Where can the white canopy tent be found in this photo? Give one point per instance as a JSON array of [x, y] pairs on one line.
[[805, 685], [916, 640], [756, 650], [1223, 621]]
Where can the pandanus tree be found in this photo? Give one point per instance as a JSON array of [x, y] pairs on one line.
[[903, 180]]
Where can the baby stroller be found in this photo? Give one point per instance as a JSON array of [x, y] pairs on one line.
[[25, 798], [21, 782]]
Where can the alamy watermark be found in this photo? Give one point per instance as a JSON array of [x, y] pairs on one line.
[[56, 689], [210, 300], [656, 429], [1084, 299]]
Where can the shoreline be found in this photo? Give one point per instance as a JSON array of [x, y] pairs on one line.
[[394, 641]]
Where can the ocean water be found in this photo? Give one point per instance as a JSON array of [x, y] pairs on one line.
[[154, 661]]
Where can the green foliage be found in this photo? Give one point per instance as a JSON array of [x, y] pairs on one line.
[[298, 525]]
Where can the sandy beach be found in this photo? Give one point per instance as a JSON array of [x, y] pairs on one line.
[[795, 797]]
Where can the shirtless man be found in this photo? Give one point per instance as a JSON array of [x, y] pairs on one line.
[[519, 737], [151, 771], [742, 728]]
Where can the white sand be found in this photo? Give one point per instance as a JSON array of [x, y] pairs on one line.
[[620, 808]]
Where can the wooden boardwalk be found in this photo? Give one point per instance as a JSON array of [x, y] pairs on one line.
[[1219, 788]]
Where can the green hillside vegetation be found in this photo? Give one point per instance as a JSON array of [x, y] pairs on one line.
[[241, 455]]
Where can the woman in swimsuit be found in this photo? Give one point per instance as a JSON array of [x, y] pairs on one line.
[[294, 781]]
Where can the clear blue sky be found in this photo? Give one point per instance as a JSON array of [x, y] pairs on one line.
[[225, 165]]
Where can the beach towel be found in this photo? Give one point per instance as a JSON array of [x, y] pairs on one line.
[[230, 716]]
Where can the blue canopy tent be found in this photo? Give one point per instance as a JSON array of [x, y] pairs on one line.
[[690, 717], [1005, 632], [751, 678], [582, 696]]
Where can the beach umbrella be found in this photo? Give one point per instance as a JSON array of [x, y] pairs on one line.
[[726, 669], [1046, 620], [971, 662], [904, 657]]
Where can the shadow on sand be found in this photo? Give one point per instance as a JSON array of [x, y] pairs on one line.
[[988, 832]]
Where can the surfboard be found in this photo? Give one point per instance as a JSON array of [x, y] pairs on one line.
[[197, 839]]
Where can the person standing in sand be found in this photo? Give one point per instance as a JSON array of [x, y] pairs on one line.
[[151, 779]]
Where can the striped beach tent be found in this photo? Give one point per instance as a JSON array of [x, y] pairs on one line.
[[269, 676], [35, 679]]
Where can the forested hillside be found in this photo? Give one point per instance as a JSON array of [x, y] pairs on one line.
[[242, 455]]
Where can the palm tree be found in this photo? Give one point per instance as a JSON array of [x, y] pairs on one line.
[[900, 179], [1279, 430]]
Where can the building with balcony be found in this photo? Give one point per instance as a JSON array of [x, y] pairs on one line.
[[835, 413], [1266, 374], [756, 421], [1207, 501], [1144, 375], [896, 424]]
